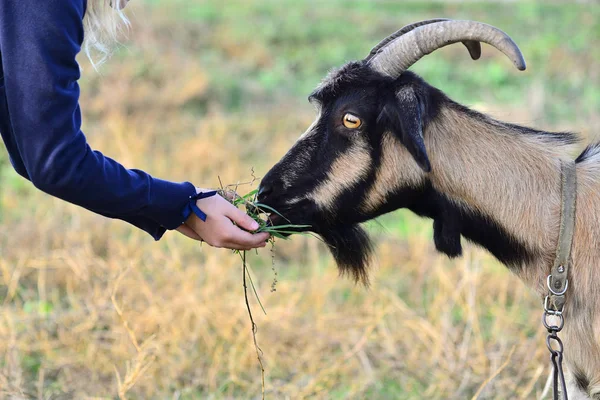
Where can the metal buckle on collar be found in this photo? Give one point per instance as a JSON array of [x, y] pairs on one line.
[[552, 290], [549, 309], [550, 306]]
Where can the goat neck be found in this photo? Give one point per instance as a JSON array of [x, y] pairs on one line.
[[505, 173]]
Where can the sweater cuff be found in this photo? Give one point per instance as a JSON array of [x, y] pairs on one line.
[[192, 207], [167, 200]]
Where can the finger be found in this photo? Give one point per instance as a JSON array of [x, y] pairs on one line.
[[243, 246], [242, 219], [240, 238], [235, 246], [189, 232]]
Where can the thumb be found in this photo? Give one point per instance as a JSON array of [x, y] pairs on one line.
[[242, 219]]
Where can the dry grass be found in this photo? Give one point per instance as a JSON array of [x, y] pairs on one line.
[[93, 309], [176, 324]]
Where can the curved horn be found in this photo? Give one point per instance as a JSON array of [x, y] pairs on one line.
[[474, 47], [402, 52]]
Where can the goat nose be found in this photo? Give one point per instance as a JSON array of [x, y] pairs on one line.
[[264, 191]]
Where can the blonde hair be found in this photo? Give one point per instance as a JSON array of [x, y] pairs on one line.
[[104, 23]]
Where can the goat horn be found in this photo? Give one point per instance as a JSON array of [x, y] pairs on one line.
[[473, 46], [402, 52]]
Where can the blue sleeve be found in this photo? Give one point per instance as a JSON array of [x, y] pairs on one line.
[[39, 41]]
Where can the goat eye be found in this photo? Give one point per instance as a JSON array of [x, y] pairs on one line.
[[351, 121]]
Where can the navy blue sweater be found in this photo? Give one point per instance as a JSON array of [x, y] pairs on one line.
[[40, 121]]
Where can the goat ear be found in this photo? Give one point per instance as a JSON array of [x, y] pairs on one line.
[[404, 115]]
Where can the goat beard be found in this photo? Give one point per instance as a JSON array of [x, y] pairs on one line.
[[351, 248]]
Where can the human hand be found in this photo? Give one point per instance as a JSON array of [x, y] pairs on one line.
[[218, 230]]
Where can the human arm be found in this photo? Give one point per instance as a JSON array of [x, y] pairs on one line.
[[39, 42]]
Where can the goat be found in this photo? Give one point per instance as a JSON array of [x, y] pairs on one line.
[[384, 139]]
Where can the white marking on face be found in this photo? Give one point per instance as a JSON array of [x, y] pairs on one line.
[[294, 200], [346, 171], [310, 130], [397, 169]]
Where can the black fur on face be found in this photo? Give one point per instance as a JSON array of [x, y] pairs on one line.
[[351, 248]]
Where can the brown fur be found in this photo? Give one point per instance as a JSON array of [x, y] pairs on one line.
[[515, 178], [348, 169], [511, 176], [397, 166]]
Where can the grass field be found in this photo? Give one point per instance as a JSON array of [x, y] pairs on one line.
[[91, 308]]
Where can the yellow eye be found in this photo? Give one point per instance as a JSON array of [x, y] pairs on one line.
[[351, 121]]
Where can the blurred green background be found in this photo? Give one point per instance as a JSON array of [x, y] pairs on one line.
[[92, 308]]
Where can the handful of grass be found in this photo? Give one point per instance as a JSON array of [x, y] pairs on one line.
[[260, 213]]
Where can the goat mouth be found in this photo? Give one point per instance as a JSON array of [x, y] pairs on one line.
[[274, 219], [287, 226], [287, 221]]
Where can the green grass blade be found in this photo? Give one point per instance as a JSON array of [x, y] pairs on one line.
[[288, 226], [250, 194], [261, 205], [279, 235]]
